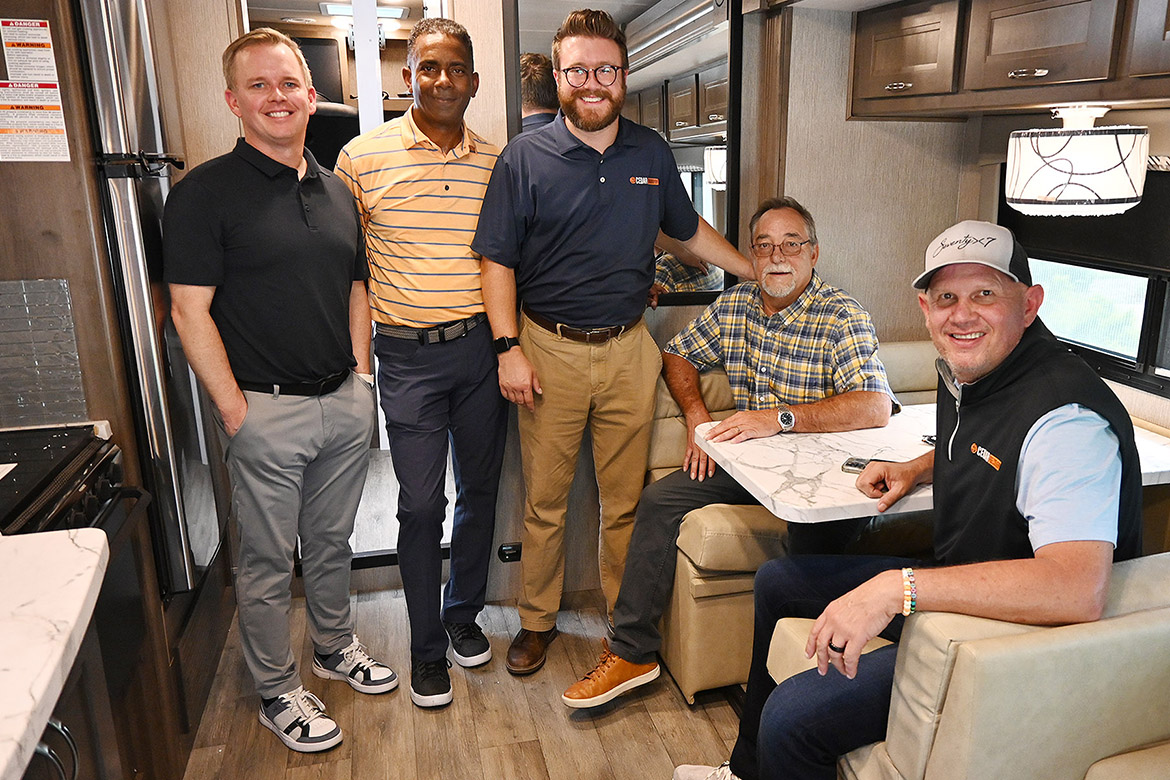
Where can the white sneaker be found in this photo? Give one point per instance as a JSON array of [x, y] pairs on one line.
[[697, 772], [298, 718], [354, 665]]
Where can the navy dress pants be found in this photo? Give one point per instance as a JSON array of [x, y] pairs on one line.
[[798, 729], [435, 397]]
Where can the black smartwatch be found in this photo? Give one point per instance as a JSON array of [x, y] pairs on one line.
[[505, 343]]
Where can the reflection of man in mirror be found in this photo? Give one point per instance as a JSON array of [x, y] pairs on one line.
[[538, 91], [418, 181], [568, 225], [800, 356], [671, 275]]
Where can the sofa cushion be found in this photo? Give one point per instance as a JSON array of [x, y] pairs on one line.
[[910, 370], [1145, 764], [786, 652], [668, 443], [730, 537]]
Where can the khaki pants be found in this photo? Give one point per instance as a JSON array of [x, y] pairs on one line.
[[610, 388]]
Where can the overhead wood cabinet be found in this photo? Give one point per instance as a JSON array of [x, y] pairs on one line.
[[682, 106], [650, 100], [1019, 43], [906, 49], [713, 94], [1150, 47], [632, 108]]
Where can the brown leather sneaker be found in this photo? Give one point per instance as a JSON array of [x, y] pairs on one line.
[[528, 650], [612, 677]]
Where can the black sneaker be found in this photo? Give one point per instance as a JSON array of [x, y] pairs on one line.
[[430, 685], [468, 644]]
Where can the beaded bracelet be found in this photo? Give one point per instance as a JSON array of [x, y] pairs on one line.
[[909, 592]]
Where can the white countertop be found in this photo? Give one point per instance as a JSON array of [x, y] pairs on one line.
[[49, 583], [798, 476]]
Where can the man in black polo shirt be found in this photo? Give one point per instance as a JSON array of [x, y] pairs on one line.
[[266, 265], [569, 222]]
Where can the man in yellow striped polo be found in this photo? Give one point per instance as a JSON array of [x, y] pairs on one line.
[[419, 181]]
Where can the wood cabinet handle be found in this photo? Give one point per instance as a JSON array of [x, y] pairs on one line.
[[1027, 73], [714, 117], [679, 123], [898, 86]]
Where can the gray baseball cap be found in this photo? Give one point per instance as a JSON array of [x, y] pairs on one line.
[[972, 241]]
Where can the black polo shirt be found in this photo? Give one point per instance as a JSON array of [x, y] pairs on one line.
[[577, 226], [282, 253]]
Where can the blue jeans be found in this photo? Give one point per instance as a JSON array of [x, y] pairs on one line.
[[798, 729]]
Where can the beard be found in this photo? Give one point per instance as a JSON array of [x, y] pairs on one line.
[[591, 122], [775, 287]]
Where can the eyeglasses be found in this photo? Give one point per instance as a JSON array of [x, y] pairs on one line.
[[577, 77], [788, 248]]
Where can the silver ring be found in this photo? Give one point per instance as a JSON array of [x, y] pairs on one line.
[[836, 649]]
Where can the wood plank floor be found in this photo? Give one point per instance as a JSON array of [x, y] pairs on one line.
[[498, 726]]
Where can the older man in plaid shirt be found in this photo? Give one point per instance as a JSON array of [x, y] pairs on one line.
[[800, 356]]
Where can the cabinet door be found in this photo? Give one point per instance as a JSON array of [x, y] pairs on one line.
[[632, 108], [713, 94], [906, 50], [1150, 46], [682, 108], [651, 100], [1020, 43]]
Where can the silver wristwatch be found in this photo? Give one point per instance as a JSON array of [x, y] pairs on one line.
[[786, 418]]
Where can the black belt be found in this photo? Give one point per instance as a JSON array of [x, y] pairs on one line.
[[437, 334], [588, 336], [323, 387]]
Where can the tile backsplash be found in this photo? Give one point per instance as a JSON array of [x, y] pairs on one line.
[[40, 374]]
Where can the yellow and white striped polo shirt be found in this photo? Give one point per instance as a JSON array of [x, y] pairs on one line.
[[420, 208]]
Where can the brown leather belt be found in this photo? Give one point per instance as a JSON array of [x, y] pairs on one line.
[[590, 336]]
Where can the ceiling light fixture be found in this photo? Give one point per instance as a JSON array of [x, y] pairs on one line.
[[297, 20], [1079, 170], [384, 11]]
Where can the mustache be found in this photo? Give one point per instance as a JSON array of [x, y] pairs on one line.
[[779, 268]]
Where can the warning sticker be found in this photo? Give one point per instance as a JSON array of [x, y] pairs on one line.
[[28, 49], [32, 123]]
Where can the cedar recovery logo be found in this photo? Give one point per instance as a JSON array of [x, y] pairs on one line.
[[653, 182], [982, 452]]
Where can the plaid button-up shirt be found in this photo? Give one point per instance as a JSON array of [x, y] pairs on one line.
[[821, 345]]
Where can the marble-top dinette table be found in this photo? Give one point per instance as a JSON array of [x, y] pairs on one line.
[[798, 476]]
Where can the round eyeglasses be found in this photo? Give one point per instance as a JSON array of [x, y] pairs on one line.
[[605, 75], [788, 248]]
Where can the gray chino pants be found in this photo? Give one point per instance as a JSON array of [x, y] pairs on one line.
[[297, 466]]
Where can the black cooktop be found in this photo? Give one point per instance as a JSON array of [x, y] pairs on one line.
[[42, 456]]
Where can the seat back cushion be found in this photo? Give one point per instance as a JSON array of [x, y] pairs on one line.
[[910, 370]]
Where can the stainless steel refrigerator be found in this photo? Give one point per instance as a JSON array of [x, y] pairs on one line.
[[135, 158]]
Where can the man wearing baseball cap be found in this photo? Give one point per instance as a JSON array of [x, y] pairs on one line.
[[1037, 491]]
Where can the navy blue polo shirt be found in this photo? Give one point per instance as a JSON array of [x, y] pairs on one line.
[[577, 226], [283, 254]]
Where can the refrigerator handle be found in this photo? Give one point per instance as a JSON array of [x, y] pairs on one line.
[[139, 166]]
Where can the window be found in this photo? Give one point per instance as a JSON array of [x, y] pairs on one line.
[[1092, 308]]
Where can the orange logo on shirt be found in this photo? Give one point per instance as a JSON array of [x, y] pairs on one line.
[[644, 180], [982, 452]]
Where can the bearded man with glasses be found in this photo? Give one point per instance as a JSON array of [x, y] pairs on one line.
[[568, 226], [800, 356]]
